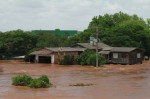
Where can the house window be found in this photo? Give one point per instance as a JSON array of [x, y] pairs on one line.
[[115, 55], [124, 55], [138, 55]]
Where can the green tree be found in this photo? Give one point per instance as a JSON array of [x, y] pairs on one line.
[[16, 42], [48, 40], [122, 30], [82, 58], [92, 60]]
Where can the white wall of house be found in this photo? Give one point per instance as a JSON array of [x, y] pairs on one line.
[[52, 59], [36, 58]]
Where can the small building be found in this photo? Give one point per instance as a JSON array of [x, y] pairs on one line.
[[123, 55], [119, 55], [50, 55]]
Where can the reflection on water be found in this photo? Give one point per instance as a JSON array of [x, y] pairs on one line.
[[111, 81]]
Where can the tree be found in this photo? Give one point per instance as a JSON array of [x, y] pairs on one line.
[[148, 23], [82, 58], [48, 40], [92, 60], [16, 42], [122, 30]]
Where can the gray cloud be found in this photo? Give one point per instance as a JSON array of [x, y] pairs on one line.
[[63, 14]]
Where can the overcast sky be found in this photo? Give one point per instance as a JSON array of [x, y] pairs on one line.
[[63, 14]]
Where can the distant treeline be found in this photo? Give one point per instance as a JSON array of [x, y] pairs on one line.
[[119, 29]]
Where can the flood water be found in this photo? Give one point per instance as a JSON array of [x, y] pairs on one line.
[[110, 81]]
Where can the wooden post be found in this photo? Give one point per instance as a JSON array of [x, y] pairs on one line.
[[96, 46]]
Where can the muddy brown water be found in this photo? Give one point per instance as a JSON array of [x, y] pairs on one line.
[[110, 81]]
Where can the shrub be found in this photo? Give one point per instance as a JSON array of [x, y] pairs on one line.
[[21, 80], [44, 78], [36, 83], [82, 58], [67, 60], [92, 60], [42, 82]]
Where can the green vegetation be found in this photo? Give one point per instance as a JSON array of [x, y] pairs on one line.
[[123, 30], [66, 60], [82, 84], [82, 58], [119, 29], [88, 57], [45, 79], [18, 42], [23, 80], [92, 60], [42, 82]]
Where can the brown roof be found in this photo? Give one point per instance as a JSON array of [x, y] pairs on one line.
[[87, 45], [56, 49], [122, 49], [41, 52]]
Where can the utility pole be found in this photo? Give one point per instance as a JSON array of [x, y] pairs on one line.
[[96, 46]]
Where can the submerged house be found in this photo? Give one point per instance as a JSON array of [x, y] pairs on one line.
[[119, 55], [50, 55], [122, 55]]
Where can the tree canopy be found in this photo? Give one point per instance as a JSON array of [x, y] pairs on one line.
[[119, 30]]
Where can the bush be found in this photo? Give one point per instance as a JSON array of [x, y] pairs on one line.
[[44, 78], [21, 80], [42, 82], [67, 60], [36, 83], [82, 58], [92, 60]]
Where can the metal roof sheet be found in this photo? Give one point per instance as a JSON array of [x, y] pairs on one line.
[[56, 49], [122, 49], [41, 53], [89, 46]]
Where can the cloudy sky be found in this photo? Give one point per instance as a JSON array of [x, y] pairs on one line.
[[63, 14]]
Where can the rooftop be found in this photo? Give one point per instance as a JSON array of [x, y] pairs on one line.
[[122, 49], [89, 46], [58, 32], [56, 49]]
